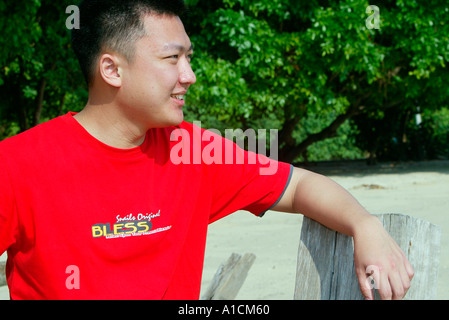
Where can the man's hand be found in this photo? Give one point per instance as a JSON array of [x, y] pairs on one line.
[[322, 200], [377, 255]]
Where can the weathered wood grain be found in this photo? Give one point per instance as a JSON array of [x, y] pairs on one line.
[[2, 273], [325, 268], [229, 277]]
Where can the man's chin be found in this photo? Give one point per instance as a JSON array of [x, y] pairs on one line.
[[178, 120], [173, 122]]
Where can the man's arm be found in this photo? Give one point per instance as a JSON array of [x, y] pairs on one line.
[[323, 200]]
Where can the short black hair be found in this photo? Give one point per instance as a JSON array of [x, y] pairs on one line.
[[115, 25]]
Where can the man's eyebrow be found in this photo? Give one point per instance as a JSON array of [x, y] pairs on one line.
[[176, 47]]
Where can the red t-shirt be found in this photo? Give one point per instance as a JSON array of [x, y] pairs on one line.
[[83, 220]]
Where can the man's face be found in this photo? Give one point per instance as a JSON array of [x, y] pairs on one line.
[[155, 82]]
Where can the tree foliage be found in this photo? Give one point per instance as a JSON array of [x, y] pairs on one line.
[[39, 75], [310, 66], [312, 69]]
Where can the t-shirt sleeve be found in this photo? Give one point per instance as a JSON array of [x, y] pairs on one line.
[[8, 217], [245, 181]]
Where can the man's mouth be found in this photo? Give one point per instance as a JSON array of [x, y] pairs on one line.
[[178, 96]]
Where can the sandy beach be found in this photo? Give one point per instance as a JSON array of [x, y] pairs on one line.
[[420, 190]]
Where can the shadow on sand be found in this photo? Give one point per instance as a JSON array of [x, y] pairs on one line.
[[360, 168]]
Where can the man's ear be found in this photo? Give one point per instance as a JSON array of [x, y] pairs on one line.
[[110, 70]]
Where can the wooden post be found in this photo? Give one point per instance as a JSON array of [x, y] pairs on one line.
[[229, 277], [325, 267], [2, 273]]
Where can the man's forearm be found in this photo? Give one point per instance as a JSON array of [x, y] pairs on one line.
[[323, 200]]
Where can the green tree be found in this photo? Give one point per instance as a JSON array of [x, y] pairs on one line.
[[39, 75], [292, 62]]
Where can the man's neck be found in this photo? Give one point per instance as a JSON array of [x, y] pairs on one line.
[[106, 124]]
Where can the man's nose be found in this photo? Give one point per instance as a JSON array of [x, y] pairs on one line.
[[186, 74]]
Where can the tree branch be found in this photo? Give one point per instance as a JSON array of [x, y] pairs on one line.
[[40, 101], [289, 153]]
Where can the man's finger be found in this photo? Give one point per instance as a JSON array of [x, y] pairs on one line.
[[384, 287], [409, 269], [397, 287], [368, 281], [365, 289]]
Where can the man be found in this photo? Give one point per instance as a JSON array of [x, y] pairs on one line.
[[91, 205]]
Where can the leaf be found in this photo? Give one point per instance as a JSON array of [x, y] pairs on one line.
[[29, 93]]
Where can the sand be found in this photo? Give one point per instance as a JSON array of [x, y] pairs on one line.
[[420, 190]]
